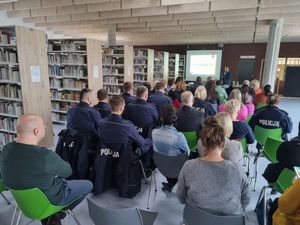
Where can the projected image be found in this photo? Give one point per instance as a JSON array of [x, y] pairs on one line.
[[203, 64]]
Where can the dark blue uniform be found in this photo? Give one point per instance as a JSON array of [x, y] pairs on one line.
[[83, 118], [272, 117], [226, 78], [143, 115], [128, 98], [205, 107], [103, 108], [158, 99], [242, 130], [115, 130]]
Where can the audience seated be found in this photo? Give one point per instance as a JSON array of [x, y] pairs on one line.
[[175, 94], [271, 116], [167, 140], [103, 106], [171, 83], [128, 92], [243, 112], [255, 87], [262, 97], [201, 179], [241, 129], [159, 98], [212, 95], [197, 83], [230, 88], [148, 86], [201, 104], [221, 91], [247, 99], [25, 165], [233, 150]]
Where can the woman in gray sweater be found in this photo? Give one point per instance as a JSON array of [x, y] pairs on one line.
[[211, 183]]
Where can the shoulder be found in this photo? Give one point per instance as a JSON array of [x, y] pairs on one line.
[[232, 143], [190, 164]]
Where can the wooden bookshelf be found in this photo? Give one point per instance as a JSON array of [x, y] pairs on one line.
[[143, 66], [181, 71], [73, 64], [117, 67], [161, 65], [173, 65], [20, 92]]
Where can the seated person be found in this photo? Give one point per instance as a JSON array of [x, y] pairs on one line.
[[241, 129], [175, 94], [197, 83], [221, 91], [171, 83], [159, 98], [212, 95], [200, 102], [25, 165], [128, 92], [247, 99], [141, 113], [201, 179], [233, 150], [168, 141], [255, 88], [262, 97], [103, 106], [271, 116]]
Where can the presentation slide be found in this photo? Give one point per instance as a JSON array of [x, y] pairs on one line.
[[203, 63]]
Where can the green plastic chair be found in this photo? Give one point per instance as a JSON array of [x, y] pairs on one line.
[[270, 149], [284, 180], [192, 140], [260, 105], [36, 206], [248, 119], [222, 99], [2, 189]]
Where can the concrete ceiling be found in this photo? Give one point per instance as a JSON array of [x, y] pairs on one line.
[[160, 21]]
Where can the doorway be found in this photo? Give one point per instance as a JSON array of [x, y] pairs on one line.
[[246, 69]]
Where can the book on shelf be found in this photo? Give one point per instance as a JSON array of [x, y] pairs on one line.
[[66, 45], [75, 58], [9, 124], [8, 55], [113, 51], [113, 90], [66, 95], [9, 74], [6, 138], [10, 91], [140, 53], [71, 71], [13, 109], [58, 117]]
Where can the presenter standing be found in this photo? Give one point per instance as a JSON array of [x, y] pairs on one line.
[[226, 78]]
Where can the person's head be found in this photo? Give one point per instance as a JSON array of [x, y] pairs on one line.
[[30, 129], [198, 80], [164, 82], [210, 88], [209, 79], [273, 99], [232, 107], [86, 95], [102, 95], [226, 68], [212, 136], [246, 82], [160, 86], [245, 91], [167, 115], [148, 86], [267, 89], [218, 82], [201, 93], [142, 93], [178, 79], [117, 104], [225, 121], [236, 94], [255, 84], [187, 99], [171, 82], [180, 86], [128, 87]]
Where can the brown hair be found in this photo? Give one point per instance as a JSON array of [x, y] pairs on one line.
[[116, 103], [180, 86], [212, 135], [211, 89], [159, 86], [127, 86], [102, 94], [273, 99], [84, 92]]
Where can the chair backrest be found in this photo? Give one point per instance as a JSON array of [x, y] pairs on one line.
[[270, 149], [105, 216], [284, 180], [195, 216], [244, 145], [260, 105], [32, 202], [192, 139], [169, 166], [261, 134]]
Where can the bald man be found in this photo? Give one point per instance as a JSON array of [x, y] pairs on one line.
[[25, 165]]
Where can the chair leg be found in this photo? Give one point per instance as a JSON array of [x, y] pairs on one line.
[[19, 218], [14, 215], [149, 193], [7, 201], [155, 184], [74, 217], [255, 171], [143, 171]]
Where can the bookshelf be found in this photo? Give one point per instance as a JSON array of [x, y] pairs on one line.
[[173, 65], [117, 67], [73, 64], [20, 91], [161, 65], [143, 66], [181, 71]]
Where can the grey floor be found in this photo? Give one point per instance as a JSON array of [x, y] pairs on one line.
[[170, 210]]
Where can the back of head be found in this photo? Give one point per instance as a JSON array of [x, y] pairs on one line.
[[32, 126], [210, 88], [187, 98], [102, 95], [160, 86], [232, 107], [167, 115], [219, 82], [198, 80], [127, 87], [178, 79], [142, 92], [180, 86], [255, 84], [147, 85], [273, 99], [201, 93], [171, 82], [246, 82], [212, 135], [236, 94], [117, 104], [267, 89], [85, 95], [225, 121]]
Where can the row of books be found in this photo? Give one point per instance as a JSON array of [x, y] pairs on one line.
[[7, 37], [76, 71], [140, 70], [6, 138], [113, 70], [67, 45], [112, 80], [14, 109], [67, 83], [111, 51], [139, 77], [140, 53], [58, 117], [9, 73], [10, 91], [9, 124], [112, 61], [69, 58], [61, 106], [140, 61], [115, 90], [8, 55]]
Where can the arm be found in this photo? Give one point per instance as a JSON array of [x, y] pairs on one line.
[[249, 136], [287, 125], [245, 195], [183, 146], [289, 201], [57, 166], [181, 187], [155, 114]]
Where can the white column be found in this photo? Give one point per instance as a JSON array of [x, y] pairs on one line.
[[111, 36]]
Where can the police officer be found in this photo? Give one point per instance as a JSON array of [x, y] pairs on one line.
[[103, 106], [127, 93], [159, 98], [143, 114], [272, 117]]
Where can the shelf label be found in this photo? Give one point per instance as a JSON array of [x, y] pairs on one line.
[[35, 74], [95, 71]]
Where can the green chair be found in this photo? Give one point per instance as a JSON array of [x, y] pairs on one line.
[[248, 119], [270, 149], [2, 189], [222, 99], [192, 140], [260, 105], [35, 205]]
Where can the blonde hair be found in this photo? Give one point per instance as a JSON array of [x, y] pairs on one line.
[[225, 121], [201, 93], [255, 84], [232, 107], [236, 94], [180, 86]]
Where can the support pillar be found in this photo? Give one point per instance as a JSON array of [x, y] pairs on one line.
[[272, 53]]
